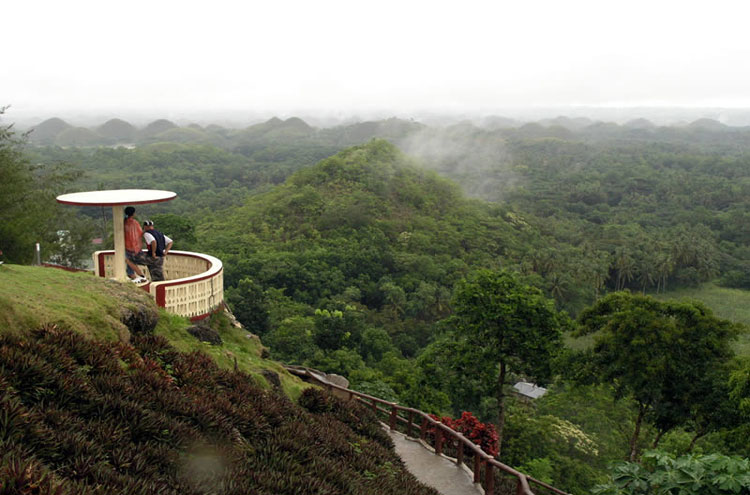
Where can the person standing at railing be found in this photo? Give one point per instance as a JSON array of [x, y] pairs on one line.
[[133, 254], [158, 246]]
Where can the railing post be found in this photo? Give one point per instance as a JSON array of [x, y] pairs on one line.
[[408, 425], [423, 430], [394, 414], [489, 479], [375, 406], [438, 440], [460, 454], [519, 487], [477, 468]]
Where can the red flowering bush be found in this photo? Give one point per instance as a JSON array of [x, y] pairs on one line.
[[482, 434]]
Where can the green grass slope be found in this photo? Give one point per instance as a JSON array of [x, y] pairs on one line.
[[731, 304], [33, 297]]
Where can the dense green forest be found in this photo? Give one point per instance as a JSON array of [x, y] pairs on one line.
[[348, 249]]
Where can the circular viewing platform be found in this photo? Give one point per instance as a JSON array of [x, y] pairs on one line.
[[193, 284]]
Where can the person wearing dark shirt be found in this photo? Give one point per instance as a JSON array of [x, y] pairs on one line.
[[158, 246]]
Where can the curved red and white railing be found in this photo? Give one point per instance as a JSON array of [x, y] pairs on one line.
[[193, 285]]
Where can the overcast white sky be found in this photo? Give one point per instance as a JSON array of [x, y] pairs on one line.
[[282, 55]]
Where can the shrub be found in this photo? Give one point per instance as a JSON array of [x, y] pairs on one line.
[[86, 417], [662, 474], [482, 434], [316, 401]]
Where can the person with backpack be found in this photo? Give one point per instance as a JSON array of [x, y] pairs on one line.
[[158, 246]]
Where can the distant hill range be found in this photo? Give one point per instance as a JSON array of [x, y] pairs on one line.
[[113, 132]]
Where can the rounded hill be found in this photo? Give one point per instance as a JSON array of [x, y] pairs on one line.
[[47, 131], [368, 225], [117, 129], [78, 136], [156, 127]]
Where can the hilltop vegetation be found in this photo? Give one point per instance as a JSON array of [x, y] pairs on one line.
[[367, 248], [354, 260]]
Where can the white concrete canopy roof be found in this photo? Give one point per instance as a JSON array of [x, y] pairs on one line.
[[116, 197]]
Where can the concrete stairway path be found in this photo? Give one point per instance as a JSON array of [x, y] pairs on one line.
[[433, 470]]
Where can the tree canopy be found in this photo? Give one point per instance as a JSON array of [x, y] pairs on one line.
[[502, 325], [28, 211], [660, 354]]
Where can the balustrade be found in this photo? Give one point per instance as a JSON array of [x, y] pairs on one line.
[[193, 285], [494, 476]]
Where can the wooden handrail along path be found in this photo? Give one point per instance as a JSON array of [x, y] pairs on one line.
[[483, 466]]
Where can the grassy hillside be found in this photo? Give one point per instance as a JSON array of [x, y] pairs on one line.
[[89, 407], [732, 304], [31, 297]]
